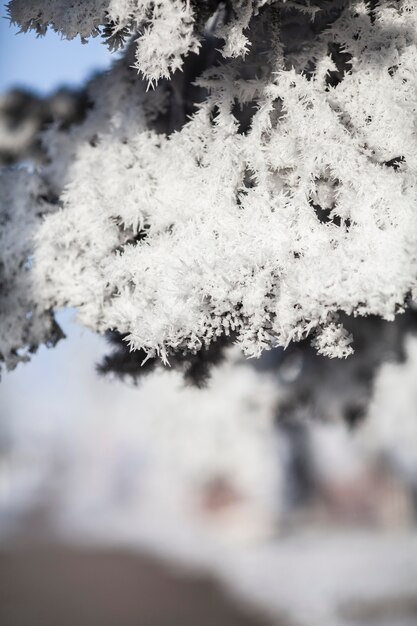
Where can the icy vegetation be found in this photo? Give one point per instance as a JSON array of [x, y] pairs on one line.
[[257, 194]]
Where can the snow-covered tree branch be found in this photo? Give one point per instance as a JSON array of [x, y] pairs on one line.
[[246, 169]]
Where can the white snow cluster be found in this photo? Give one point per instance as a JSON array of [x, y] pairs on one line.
[[264, 232]]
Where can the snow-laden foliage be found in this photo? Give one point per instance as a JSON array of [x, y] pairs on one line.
[[24, 324], [288, 195], [167, 27]]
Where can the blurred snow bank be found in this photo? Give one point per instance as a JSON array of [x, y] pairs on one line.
[[208, 479]]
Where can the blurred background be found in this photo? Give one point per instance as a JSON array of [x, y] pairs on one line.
[[283, 492]]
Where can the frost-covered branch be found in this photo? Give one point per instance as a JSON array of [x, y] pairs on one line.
[[257, 194]]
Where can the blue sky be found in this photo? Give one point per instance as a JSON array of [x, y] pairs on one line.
[[42, 64]]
